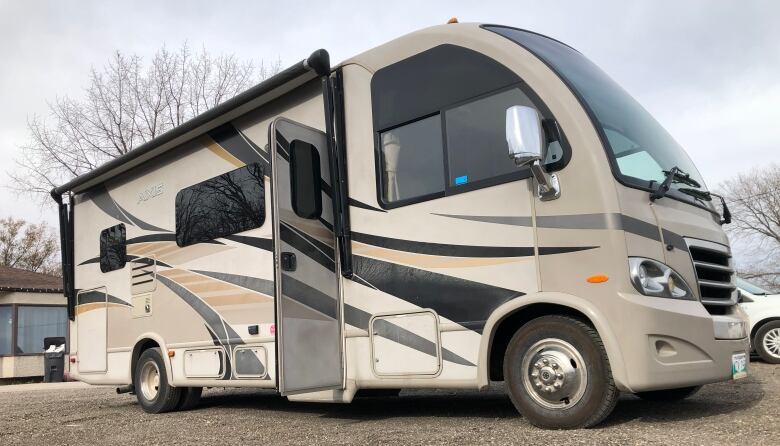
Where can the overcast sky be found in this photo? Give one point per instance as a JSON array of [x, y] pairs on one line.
[[708, 70]]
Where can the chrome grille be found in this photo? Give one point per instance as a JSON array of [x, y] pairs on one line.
[[714, 273]]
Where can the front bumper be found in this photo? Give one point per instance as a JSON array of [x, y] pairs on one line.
[[669, 343]]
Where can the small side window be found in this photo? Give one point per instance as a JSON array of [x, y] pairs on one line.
[[305, 180], [412, 158], [113, 248]]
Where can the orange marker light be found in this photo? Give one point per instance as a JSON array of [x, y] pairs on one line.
[[598, 278], [452, 20], [171, 353]]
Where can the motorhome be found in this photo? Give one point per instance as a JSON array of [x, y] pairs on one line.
[[467, 203]]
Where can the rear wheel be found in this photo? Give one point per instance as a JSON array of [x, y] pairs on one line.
[[669, 394], [557, 374], [154, 393], [190, 397], [767, 342]]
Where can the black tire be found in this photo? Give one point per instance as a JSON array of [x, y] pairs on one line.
[[758, 341], [167, 397], [599, 396], [669, 394], [190, 397]]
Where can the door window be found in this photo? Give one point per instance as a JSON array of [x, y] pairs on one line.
[[305, 180]]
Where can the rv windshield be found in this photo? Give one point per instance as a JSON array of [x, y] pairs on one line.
[[640, 149]]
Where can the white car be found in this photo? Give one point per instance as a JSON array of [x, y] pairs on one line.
[[763, 310]]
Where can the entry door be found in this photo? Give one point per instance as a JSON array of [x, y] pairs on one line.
[[308, 303], [91, 330]]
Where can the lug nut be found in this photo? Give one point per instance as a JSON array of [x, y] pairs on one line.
[[549, 389], [555, 365], [545, 361], [538, 365], [538, 385], [559, 375], [535, 374], [557, 385]]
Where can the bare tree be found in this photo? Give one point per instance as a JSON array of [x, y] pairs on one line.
[[125, 105], [28, 246], [754, 199]]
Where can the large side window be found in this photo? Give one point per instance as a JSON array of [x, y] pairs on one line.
[[227, 204], [113, 248], [305, 180], [412, 161], [440, 118]]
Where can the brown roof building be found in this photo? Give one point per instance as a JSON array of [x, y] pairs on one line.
[[14, 279], [32, 308]]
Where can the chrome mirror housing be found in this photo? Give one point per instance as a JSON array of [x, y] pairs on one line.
[[525, 138], [524, 134]]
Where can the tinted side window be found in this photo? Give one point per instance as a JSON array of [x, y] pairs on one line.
[[412, 160], [230, 203], [113, 249], [476, 138], [305, 180]]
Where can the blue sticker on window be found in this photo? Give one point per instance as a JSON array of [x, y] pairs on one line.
[[461, 180]]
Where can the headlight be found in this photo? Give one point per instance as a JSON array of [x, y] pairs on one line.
[[653, 278]]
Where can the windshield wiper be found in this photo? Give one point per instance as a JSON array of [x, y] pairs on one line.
[[702, 195], [673, 175], [726, 217]]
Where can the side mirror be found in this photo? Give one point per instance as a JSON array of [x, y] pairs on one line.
[[525, 138], [524, 134]]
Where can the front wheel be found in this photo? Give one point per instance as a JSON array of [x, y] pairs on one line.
[[767, 342], [669, 394], [557, 374]]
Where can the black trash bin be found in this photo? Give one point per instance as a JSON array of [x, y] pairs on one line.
[[53, 362]]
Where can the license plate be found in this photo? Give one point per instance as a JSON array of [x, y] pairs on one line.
[[739, 365]]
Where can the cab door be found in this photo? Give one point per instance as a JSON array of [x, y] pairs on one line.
[[308, 302]]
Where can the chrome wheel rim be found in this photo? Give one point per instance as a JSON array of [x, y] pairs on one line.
[[150, 380], [772, 342], [554, 374]]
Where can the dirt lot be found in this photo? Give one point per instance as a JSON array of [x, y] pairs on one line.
[[734, 413]]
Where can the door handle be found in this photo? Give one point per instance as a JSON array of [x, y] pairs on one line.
[[289, 263]]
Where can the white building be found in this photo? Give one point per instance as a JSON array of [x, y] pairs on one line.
[[32, 307]]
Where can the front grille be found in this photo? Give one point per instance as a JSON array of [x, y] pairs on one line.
[[714, 271]]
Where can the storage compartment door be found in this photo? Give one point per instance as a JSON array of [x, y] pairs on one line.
[[406, 344]]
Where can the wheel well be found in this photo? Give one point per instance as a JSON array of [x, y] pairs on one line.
[[511, 323], [761, 324], [140, 347]]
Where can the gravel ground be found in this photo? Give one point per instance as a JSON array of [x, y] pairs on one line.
[[732, 413]]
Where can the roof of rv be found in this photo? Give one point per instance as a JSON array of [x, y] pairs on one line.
[[316, 65]]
